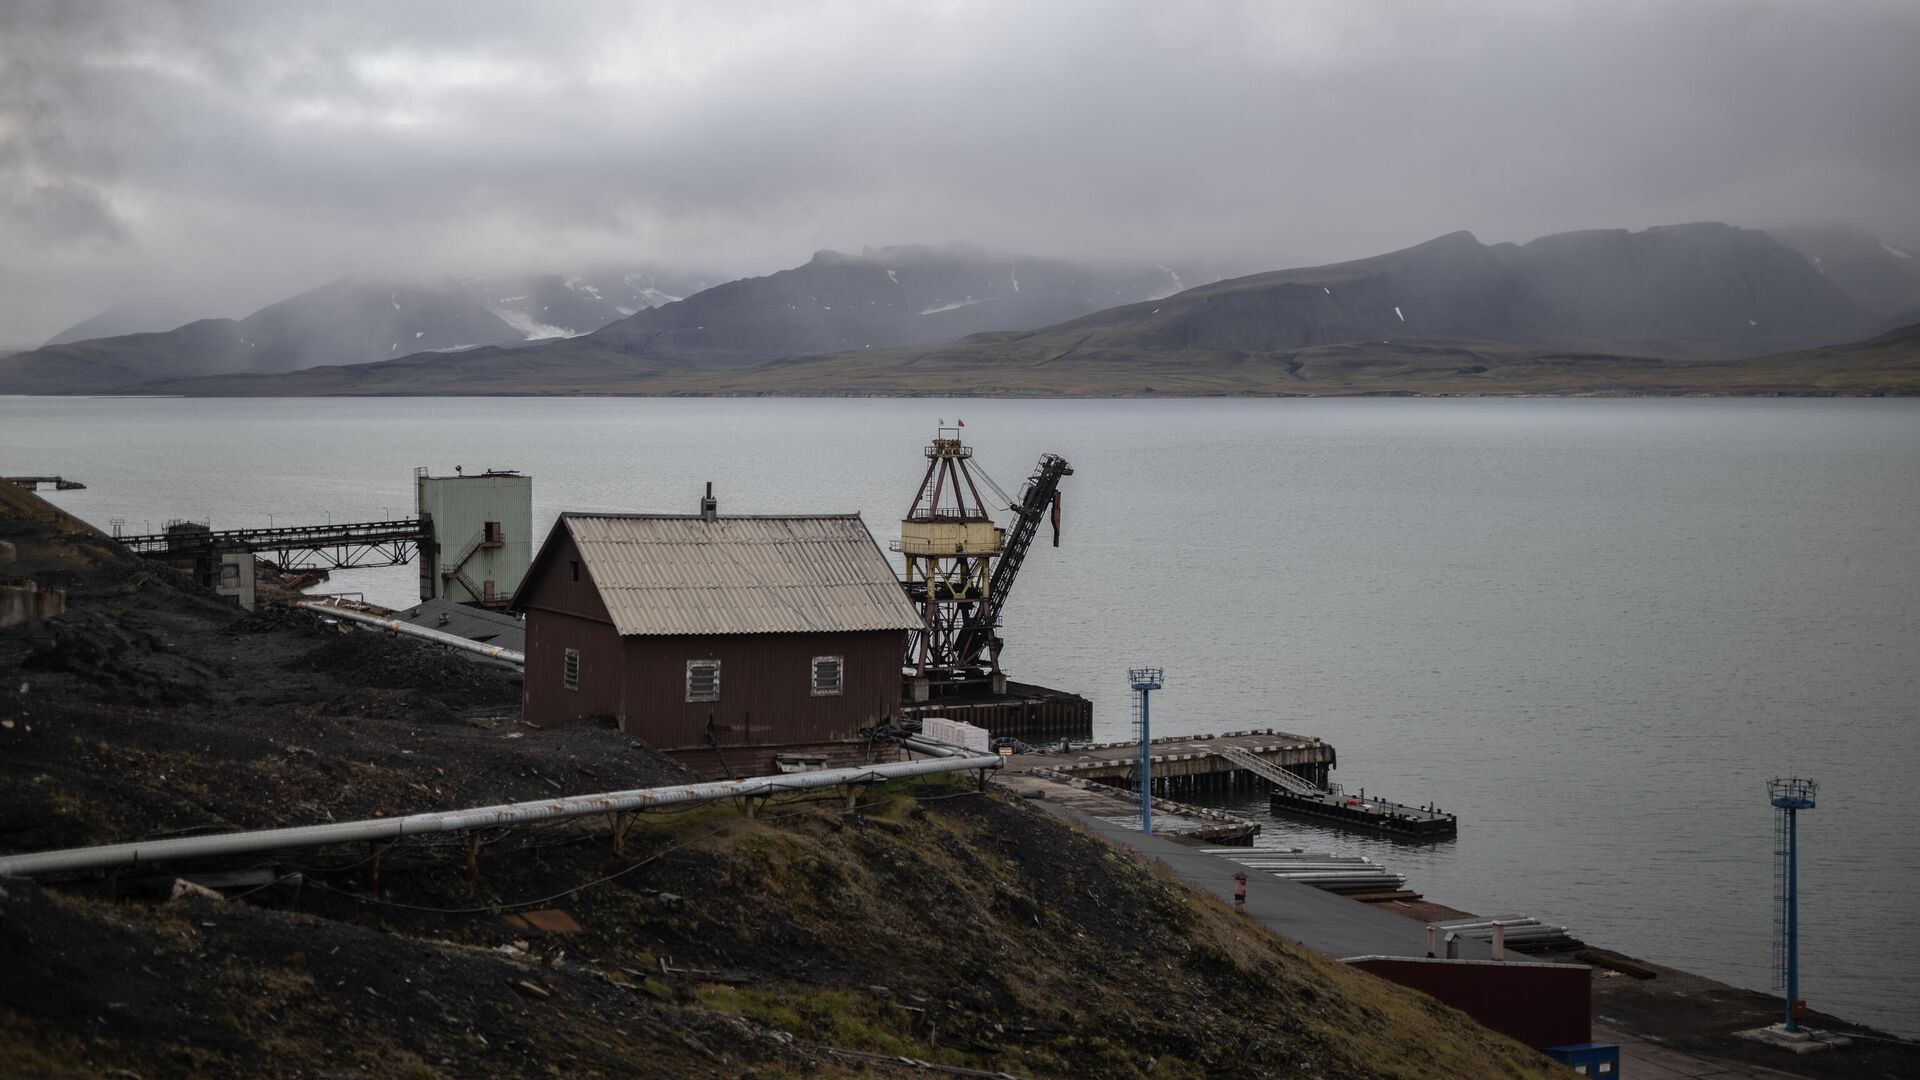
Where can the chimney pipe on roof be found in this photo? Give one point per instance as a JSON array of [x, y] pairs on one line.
[[709, 506]]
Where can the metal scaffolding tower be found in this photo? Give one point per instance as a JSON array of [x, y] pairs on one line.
[[1789, 795], [960, 565], [1144, 680]]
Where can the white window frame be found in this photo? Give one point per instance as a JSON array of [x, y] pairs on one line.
[[839, 686], [714, 695], [570, 669]]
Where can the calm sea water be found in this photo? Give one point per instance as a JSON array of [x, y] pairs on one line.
[[1592, 628]]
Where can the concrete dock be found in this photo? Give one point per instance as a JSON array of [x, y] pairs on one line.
[[1121, 809], [1293, 768], [1322, 921], [1191, 764]]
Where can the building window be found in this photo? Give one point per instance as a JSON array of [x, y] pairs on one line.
[[570, 669], [703, 680], [829, 676], [576, 569]]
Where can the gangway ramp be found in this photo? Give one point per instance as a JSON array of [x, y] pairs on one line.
[[1266, 770]]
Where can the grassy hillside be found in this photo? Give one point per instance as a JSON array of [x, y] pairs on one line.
[[934, 922]]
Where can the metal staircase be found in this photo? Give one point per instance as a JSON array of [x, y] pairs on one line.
[[1266, 770], [457, 571]]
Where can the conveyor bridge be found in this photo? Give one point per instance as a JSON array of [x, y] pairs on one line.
[[305, 547]]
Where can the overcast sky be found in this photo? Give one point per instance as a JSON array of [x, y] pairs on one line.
[[241, 152]]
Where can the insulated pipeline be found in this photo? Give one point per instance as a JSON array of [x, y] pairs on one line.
[[482, 817], [438, 637]]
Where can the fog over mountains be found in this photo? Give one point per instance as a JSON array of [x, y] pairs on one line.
[[342, 322], [890, 296], [893, 296], [870, 322], [239, 154]]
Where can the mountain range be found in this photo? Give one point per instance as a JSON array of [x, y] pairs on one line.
[[343, 322], [893, 296], [1700, 298]]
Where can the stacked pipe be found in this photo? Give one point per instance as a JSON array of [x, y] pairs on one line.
[[1522, 932], [1333, 873]]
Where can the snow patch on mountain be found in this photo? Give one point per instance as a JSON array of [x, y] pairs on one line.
[[957, 304], [1173, 284], [529, 326]]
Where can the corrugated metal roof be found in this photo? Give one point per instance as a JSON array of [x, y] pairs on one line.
[[740, 575], [477, 624]]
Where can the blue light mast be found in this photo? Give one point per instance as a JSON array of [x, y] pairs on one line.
[[1145, 680], [1789, 796]]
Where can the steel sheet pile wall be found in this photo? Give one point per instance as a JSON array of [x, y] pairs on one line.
[[1035, 718]]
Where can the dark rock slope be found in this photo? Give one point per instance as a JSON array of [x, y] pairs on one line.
[[1680, 289], [892, 296]]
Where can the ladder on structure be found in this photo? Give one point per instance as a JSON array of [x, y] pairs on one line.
[[1266, 770], [1781, 842]]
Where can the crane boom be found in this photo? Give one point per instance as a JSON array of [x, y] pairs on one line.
[[980, 632]]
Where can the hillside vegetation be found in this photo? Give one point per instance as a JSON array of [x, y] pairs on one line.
[[1007, 365], [934, 922]]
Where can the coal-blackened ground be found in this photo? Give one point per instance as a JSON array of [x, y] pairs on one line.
[[935, 922]]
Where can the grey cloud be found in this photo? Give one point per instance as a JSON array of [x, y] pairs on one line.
[[62, 213], [261, 148]]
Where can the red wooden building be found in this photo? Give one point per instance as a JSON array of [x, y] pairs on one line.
[[726, 642]]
